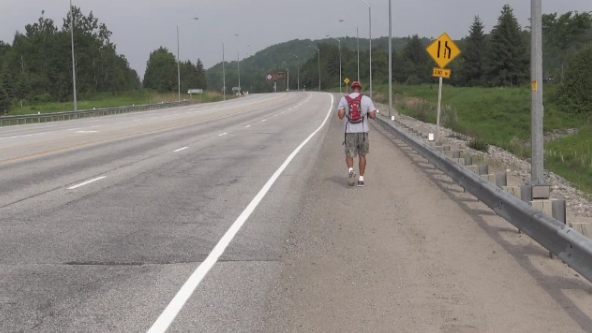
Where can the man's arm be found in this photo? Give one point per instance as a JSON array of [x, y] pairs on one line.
[[372, 112], [341, 109]]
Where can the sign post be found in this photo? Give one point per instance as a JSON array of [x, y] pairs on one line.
[[443, 51], [281, 76], [346, 81]]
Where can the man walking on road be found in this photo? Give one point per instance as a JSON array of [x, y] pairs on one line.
[[357, 108]]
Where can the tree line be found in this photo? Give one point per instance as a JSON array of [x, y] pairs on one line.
[[37, 66], [162, 73], [500, 58]]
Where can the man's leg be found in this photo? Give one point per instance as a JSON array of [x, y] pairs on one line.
[[350, 162], [362, 165], [351, 150], [363, 150]]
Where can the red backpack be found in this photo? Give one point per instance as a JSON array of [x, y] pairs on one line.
[[355, 115]]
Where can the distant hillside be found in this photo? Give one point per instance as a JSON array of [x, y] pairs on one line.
[[277, 57]]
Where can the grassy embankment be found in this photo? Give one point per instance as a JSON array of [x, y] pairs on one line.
[[501, 117], [109, 101]]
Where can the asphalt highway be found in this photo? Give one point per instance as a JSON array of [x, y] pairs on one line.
[[236, 217]]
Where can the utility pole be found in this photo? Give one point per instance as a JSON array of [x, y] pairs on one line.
[[298, 58], [223, 70], [319, 53], [370, 20], [73, 55], [537, 112], [358, 41], [340, 78], [178, 55], [390, 59]]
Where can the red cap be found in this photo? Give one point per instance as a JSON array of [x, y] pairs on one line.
[[356, 84]]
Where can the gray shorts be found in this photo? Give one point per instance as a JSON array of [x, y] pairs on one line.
[[356, 144]]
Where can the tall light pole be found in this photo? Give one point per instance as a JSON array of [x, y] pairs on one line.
[[390, 59], [73, 55], [358, 40], [288, 83], [537, 112], [238, 65], [178, 55], [298, 58], [370, 21], [223, 70], [340, 84], [319, 52]]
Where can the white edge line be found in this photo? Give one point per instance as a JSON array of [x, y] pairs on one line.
[[247, 126], [176, 305], [263, 120], [223, 134], [180, 149], [86, 182]]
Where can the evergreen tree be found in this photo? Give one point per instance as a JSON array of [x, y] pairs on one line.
[[161, 71], [473, 57], [575, 93], [416, 61], [4, 101], [507, 60], [563, 36], [202, 82]]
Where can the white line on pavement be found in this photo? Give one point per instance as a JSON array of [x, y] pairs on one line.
[[180, 149], [223, 134], [176, 305], [25, 136], [247, 126], [86, 182], [263, 120]]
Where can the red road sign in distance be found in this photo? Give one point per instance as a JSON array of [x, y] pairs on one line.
[[276, 76]]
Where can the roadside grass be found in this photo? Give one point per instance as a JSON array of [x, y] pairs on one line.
[[571, 157], [501, 117], [108, 101]]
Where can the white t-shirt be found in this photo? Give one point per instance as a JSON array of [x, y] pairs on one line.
[[367, 107]]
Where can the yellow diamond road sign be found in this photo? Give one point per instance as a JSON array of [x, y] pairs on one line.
[[444, 50], [346, 81]]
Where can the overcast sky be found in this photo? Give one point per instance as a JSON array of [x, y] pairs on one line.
[[140, 26]]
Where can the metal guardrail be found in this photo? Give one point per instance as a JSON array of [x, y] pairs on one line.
[[68, 115], [567, 244]]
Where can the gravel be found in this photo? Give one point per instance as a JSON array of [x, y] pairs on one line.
[[579, 209]]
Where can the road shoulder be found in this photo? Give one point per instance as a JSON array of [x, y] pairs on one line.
[[411, 252]]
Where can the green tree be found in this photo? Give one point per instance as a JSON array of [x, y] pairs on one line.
[[4, 101], [161, 71], [575, 92], [507, 61], [472, 71], [563, 36], [416, 61]]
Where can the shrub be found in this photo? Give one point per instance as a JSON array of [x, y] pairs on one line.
[[576, 95]]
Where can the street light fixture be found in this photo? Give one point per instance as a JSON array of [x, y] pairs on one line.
[[319, 52], [370, 21], [358, 40], [340, 85], [298, 69], [178, 54]]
